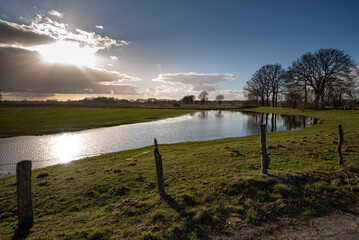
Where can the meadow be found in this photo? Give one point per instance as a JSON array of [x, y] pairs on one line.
[[213, 188], [19, 121]]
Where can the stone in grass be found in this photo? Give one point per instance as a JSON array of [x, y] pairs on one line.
[[42, 175], [279, 146], [337, 182], [226, 147], [333, 142], [132, 164], [77, 171], [43, 183], [108, 170], [270, 147], [117, 170]]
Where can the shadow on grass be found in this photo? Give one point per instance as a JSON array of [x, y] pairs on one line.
[[191, 224], [21, 233]]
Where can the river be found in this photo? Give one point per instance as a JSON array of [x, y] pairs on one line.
[[53, 149]]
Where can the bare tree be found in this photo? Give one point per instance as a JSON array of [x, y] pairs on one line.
[[321, 70], [203, 97], [259, 87], [275, 78], [265, 83], [220, 98]]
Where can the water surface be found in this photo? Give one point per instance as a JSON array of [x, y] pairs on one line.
[[61, 148]]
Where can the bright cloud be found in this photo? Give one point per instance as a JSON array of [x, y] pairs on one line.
[[99, 26], [58, 31], [114, 58], [198, 81], [56, 13]]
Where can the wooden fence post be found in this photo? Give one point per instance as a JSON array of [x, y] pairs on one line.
[[24, 201], [159, 171], [265, 157], [340, 143]]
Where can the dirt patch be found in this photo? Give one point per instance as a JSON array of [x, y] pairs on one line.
[[339, 225]]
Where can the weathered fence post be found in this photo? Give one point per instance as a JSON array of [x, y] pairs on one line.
[[159, 171], [340, 143], [265, 157], [24, 201]]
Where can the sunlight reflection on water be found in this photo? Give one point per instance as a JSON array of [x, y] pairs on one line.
[[66, 147]]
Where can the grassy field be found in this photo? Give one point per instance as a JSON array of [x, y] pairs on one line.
[[214, 188], [18, 121]]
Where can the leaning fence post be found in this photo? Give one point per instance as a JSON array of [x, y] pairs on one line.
[[24, 201], [340, 143], [159, 171], [265, 157]]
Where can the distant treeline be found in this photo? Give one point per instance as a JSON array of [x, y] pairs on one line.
[[113, 102]]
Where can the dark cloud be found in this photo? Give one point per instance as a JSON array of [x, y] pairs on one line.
[[11, 33], [24, 71]]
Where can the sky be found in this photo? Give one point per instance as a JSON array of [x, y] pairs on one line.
[[160, 48]]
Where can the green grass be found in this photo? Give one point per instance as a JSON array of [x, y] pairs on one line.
[[18, 121], [208, 186]]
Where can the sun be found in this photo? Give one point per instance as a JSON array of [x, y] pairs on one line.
[[66, 52]]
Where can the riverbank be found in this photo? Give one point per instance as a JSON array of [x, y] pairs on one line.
[[21, 121], [214, 187]]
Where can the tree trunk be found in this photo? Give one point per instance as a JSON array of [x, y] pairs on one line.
[[305, 96], [316, 101], [273, 99]]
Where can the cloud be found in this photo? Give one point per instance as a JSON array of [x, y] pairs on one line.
[[15, 34], [58, 31], [168, 92], [233, 94], [56, 13], [172, 92], [198, 81], [26, 72], [99, 26], [114, 58]]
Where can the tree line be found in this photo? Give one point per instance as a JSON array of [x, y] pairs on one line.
[[203, 98], [316, 79]]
